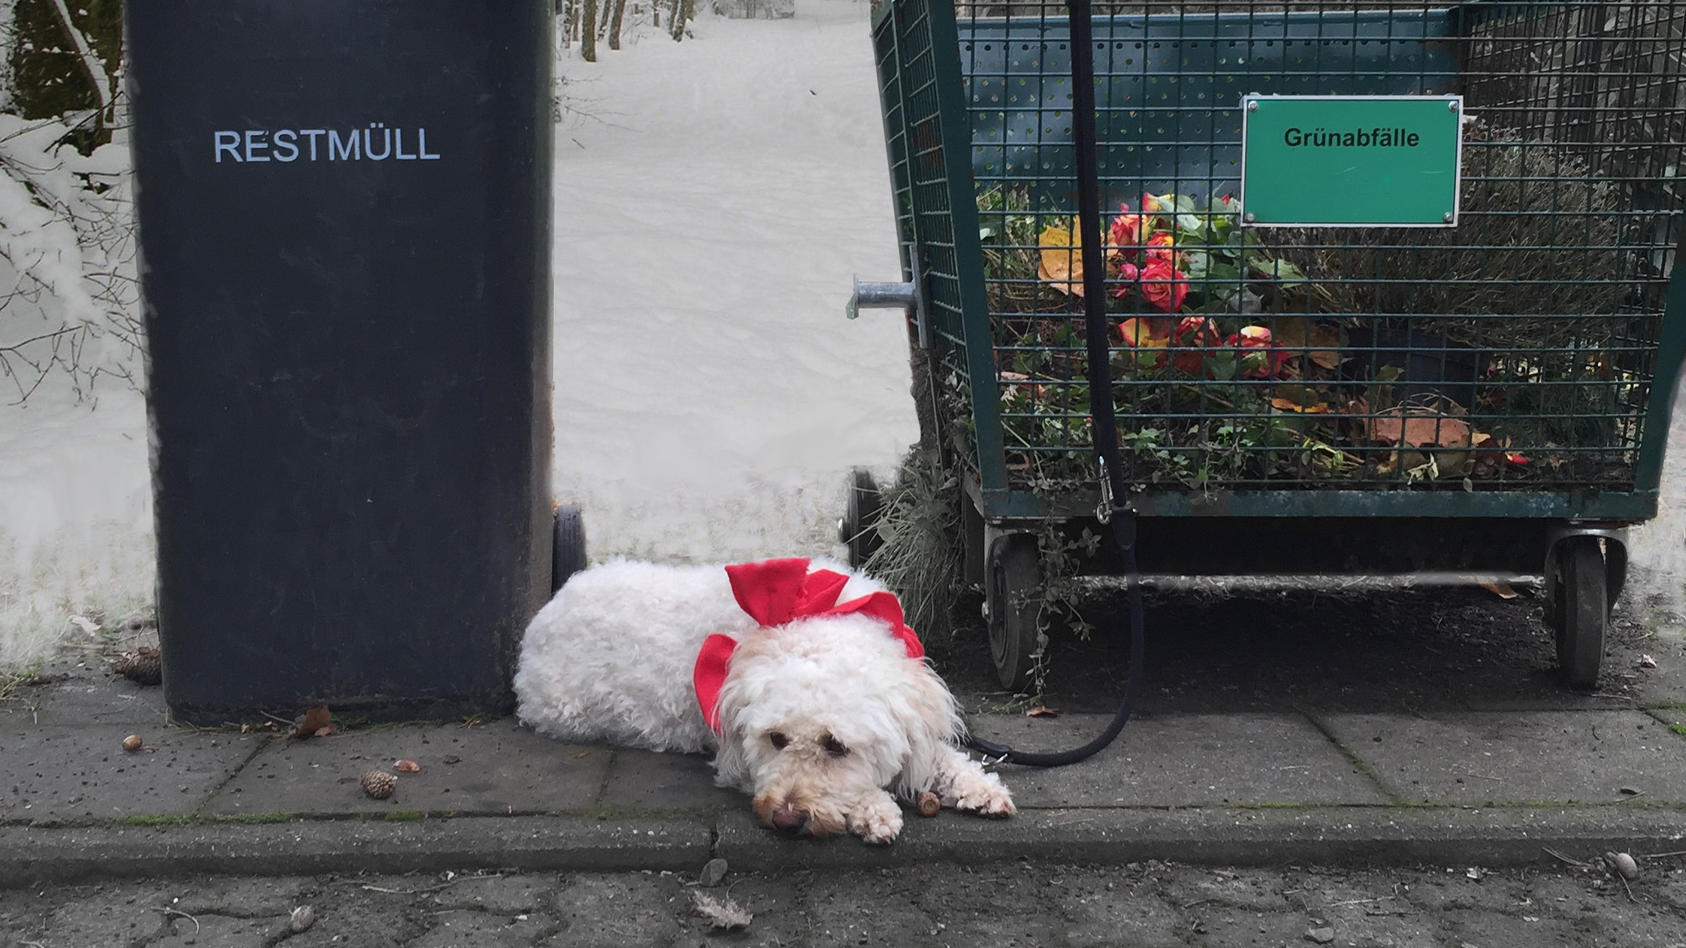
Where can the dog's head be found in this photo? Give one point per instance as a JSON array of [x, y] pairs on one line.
[[818, 712]]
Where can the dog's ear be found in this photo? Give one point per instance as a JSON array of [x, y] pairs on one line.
[[731, 763]]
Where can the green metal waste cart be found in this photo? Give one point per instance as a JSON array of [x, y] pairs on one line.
[[1391, 288]]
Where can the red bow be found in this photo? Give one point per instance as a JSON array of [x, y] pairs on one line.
[[776, 592]]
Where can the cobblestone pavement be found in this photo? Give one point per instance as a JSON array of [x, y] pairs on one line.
[[1147, 904]]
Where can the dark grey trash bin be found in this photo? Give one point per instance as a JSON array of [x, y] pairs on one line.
[[344, 213]]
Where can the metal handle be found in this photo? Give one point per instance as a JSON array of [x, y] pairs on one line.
[[907, 297], [880, 296]]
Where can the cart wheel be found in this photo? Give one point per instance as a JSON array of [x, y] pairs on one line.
[[858, 530], [568, 550], [1579, 608], [1014, 606]]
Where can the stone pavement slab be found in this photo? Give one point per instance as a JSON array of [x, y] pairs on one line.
[[54, 774], [1519, 758], [83, 700], [647, 781], [496, 768], [1183, 760]]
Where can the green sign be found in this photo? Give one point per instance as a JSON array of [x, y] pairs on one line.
[[1350, 160]]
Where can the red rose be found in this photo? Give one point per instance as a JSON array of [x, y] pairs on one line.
[[1164, 286]]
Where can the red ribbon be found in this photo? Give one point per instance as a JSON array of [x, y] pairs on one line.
[[776, 592]]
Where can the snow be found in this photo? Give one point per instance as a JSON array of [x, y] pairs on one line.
[[711, 209]]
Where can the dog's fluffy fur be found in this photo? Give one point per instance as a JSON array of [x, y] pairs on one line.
[[822, 717]]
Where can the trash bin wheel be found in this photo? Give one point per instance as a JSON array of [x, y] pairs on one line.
[[568, 552], [1013, 603], [1579, 609], [858, 530]]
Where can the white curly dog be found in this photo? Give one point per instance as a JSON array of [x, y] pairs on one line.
[[812, 693]]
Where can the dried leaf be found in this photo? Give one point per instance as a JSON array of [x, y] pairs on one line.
[[1502, 590], [1061, 264], [1297, 332], [1285, 404], [325, 730], [722, 913], [1418, 428], [407, 767], [1042, 711], [314, 720], [1646, 661]]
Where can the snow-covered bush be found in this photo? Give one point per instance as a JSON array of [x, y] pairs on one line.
[[68, 291]]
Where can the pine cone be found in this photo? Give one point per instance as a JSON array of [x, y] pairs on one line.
[[142, 665], [379, 784]]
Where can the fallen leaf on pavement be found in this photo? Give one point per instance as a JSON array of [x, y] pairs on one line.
[[1042, 711], [312, 723], [407, 767], [1502, 590], [720, 912], [1646, 661]]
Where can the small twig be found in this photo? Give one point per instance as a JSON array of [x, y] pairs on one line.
[[170, 911], [1188, 905], [1677, 852], [1629, 888], [1385, 898], [1573, 862], [431, 888]]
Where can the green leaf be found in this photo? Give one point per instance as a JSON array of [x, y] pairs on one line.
[[1286, 272], [1225, 272]]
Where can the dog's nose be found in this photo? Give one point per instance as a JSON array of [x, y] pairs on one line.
[[788, 818]]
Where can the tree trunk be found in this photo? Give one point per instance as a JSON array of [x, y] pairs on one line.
[[588, 32], [676, 21], [615, 24]]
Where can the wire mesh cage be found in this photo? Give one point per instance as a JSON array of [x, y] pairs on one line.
[[1523, 350]]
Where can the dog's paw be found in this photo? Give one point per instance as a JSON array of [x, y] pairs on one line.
[[877, 822], [986, 797]]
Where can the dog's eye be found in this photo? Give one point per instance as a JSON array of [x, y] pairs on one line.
[[779, 740], [834, 747]]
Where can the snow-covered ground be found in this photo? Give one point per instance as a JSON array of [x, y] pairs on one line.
[[712, 203]]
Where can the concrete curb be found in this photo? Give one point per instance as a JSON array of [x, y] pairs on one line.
[[1327, 836], [37, 854], [1330, 836]]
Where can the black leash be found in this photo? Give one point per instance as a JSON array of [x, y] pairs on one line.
[[1114, 511]]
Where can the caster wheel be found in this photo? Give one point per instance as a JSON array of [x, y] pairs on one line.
[[568, 550], [858, 530], [1012, 596], [1579, 608]]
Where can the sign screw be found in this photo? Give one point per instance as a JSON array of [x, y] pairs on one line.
[[1250, 218], [1447, 217], [1452, 106], [1252, 106]]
